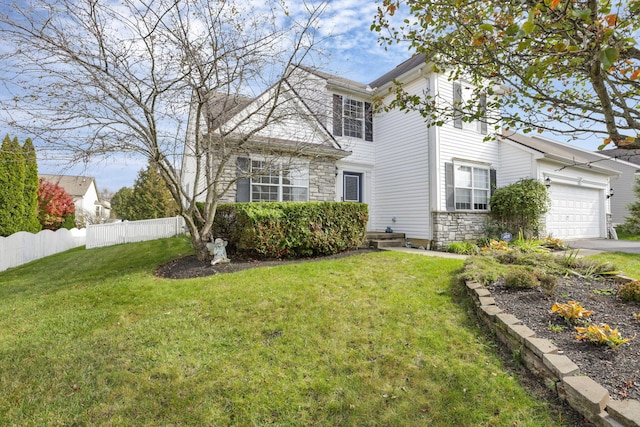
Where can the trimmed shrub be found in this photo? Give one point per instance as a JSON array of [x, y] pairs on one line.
[[291, 229]]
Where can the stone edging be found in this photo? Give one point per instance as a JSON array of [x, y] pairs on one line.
[[556, 370]]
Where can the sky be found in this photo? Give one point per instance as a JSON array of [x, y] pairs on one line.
[[349, 50]]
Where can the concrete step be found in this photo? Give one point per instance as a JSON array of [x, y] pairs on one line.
[[381, 235], [386, 243]]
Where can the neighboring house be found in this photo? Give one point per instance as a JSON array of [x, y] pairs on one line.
[[627, 162], [84, 191], [433, 184]]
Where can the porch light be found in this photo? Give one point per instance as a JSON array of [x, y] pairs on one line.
[[547, 182], [611, 193]]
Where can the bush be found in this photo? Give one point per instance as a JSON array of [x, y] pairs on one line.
[[291, 230], [630, 291], [520, 206], [521, 277]]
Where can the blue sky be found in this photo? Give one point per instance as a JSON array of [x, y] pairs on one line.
[[349, 49]]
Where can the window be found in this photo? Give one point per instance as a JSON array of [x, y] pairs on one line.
[[275, 182], [352, 118], [472, 187], [462, 94], [352, 187]]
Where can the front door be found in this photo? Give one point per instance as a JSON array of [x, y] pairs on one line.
[[352, 187]]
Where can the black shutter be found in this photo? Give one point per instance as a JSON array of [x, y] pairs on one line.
[[337, 115], [368, 121], [449, 186], [457, 105], [483, 114], [243, 183]]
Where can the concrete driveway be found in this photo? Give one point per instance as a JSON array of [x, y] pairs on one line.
[[589, 246]]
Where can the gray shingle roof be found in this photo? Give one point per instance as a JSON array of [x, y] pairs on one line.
[[75, 186], [631, 156], [407, 65]]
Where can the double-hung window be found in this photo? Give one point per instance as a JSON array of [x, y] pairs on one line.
[[472, 187], [277, 182], [352, 118], [462, 96]]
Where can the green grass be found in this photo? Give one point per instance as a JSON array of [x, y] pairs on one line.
[[91, 337], [627, 263], [625, 236]]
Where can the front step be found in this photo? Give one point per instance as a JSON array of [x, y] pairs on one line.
[[380, 240]]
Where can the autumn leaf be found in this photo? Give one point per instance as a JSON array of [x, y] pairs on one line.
[[554, 4], [611, 19], [635, 74]]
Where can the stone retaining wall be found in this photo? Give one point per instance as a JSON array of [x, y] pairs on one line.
[[557, 371]]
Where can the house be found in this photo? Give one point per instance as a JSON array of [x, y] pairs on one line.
[[627, 162], [431, 183], [84, 191]]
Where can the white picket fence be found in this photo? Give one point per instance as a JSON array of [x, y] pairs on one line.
[[21, 248], [100, 235]]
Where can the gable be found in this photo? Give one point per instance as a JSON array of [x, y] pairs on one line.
[[279, 118]]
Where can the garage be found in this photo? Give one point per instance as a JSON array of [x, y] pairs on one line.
[[576, 212]]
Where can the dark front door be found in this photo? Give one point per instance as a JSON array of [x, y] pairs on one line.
[[352, 187]]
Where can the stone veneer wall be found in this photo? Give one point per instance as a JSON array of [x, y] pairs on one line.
[[322, 180], [449, 227]]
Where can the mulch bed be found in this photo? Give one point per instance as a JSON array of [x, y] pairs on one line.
[[618, 370], [190, 267]]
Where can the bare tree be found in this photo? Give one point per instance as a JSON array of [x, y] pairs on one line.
[[94, 78]]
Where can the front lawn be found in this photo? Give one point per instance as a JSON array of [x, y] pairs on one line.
[[92, 337]]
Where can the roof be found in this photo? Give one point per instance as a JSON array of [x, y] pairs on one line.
[[75, 186], [631, 156], [564, 153], [401, 69], [222, 106], [336, 80]]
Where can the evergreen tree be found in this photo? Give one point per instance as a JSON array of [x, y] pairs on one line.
[[12, 177], [121, 203], [31, 223], [632, 223], [151, 198]]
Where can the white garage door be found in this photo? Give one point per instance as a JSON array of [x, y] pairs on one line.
[[576, 212]]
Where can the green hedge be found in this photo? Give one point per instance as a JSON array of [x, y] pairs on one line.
[[291, 230]]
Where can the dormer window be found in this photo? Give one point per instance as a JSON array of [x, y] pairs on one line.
[[352, 118]]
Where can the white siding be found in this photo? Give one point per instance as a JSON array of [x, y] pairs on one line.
[[515, 164], [402, 171], [623, 187], [459, 144]]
